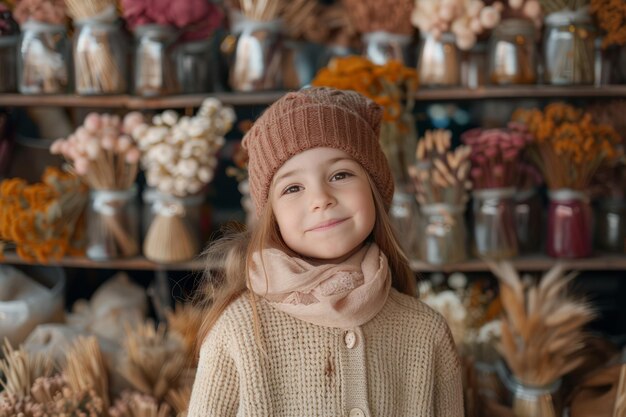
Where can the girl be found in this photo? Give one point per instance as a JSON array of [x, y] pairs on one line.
[[315, 314]]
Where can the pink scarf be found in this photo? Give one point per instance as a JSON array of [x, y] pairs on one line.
[[342, 296]]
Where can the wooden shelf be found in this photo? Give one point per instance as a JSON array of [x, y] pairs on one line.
[[531, 263], [137, 263], [137, 103], [528, 263], [266, 98]]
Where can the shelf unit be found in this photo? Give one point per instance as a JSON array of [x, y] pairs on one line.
[[528, 263], [266, 98], [129, 102]]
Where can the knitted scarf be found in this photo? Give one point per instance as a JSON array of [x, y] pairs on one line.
[[333, 295]]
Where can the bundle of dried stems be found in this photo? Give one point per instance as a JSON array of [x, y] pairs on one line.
[[316, 22], [185, 320], [569, 145], [154, 362], [95, 65], [134, 404], [393, 16], [102, 153], [51, 397], [542, 328], [261, 10], [179, 399], [85, 369], [440, 174], [20, 370]]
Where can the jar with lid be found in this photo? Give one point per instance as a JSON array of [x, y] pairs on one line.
[[442, 234], [155, 70], [113, 224], [43, 65], [568, 48], [100, 65], [513, 53], [8, 55], [439, 62]]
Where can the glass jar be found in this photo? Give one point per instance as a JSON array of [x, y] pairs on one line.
[[329, 52], [610, 225], [404, 216], [398, 140], [43, 60], [155, 71], [8, 57], [569, 224], [474, 66], [99, 58], [299, 64], [528, 215], [442, 234], [513, 53], [529, 400], [257, 57], [439, 61], [192, 205], [195, 66], [568, 48], [113, 224], [381, 47], [494, 223]]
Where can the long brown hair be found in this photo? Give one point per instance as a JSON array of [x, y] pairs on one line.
[[229, 258]]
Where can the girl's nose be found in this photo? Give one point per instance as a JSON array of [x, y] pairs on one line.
[[322, 199]]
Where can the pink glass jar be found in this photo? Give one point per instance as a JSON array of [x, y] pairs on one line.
[[569, 224]]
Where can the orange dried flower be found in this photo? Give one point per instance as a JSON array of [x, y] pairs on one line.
[[569, 145], [40, 219]]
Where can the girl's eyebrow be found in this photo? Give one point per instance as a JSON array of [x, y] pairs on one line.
[[294, 171]]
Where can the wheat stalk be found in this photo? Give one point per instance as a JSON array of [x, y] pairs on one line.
[[21, 369], [186, 321], [154, 362], [86, 370], [542, 331]]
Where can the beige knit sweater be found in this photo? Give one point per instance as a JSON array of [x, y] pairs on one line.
[[403, 362]]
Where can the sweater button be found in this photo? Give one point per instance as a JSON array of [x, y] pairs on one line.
[[357, 412], [349, 339]]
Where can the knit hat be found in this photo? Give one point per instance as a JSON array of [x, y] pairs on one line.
[[312, 118]]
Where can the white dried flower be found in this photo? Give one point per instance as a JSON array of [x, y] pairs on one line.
[[166, 185], [205, 174], [180, 186], [169, 117], [157, 120], [194, 186], [163, 153], [187, 167]]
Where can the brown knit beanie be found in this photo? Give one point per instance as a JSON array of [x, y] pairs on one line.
[[312, 118]]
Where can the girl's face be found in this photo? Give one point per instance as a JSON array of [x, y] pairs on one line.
[[323, 204]]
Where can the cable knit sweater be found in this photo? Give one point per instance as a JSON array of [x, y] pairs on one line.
[[403, 362]]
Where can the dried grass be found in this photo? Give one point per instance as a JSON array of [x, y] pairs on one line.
[[542, 330]]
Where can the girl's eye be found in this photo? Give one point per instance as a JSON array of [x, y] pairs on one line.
[[291, 189], [340, 176]]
